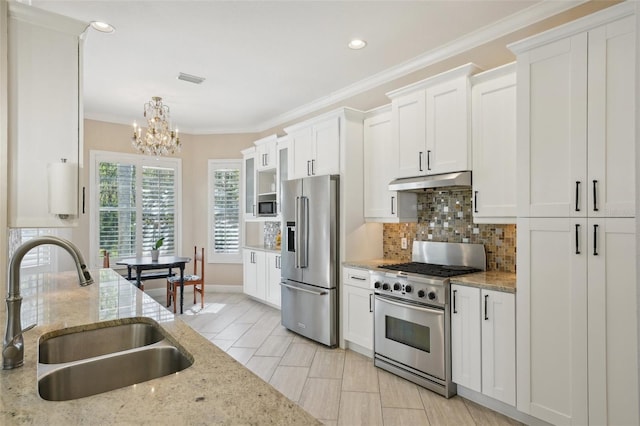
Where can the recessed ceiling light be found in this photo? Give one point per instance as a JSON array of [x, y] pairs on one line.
[[103, 27], [356, 44]]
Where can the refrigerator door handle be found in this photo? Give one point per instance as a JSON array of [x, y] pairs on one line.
[[297, 235], [317, 293], [303, 246]]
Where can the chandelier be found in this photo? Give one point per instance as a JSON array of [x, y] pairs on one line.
[[159, 139]]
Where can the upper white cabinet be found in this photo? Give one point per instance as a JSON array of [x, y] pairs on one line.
[[266, 153], [576, 131], [380, 204], [431, 124], [45, 114], [576, 299], [314, 147], [493, 114]]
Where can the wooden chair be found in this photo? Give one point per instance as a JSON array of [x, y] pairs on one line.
[[196, 280]]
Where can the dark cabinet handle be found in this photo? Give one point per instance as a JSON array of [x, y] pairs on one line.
[[313, 167], [455, 310], [370, 303], [475, 201], [577, 238], [486, 314], [577, 195], [595, 195], [392, 200], [308, 168], [420, 160], [428, 160], [84, 193], [595, 240]]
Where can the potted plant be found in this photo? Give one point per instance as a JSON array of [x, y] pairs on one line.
[[155, 251]]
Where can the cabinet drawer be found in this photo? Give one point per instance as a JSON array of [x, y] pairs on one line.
[[356, 277]]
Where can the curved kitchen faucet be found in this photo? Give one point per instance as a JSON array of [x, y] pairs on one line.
[[13, 345]]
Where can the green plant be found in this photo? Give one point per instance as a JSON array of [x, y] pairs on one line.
[[158, 244]]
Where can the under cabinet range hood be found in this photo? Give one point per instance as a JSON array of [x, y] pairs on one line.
[[421, 183]]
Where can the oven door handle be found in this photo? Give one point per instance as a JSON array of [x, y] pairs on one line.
[[410, 306]]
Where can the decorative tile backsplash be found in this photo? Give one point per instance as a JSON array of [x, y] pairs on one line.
[[446, 215]]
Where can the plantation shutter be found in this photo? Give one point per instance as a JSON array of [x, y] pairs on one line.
[[158, 208], [226, 210]]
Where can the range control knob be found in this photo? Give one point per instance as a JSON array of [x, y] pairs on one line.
[[408, 288], [396, 286], [377, 284], [431, 295], [385, 286], [420, 293]]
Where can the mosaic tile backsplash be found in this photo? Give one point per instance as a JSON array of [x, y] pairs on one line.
[[446, 216]]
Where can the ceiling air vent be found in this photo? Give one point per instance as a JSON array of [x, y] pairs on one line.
[[190, 78]]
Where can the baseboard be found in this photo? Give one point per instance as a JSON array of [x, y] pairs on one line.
[[359, 349], [500, 407]]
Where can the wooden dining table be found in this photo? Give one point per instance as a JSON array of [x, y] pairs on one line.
[[140, 264]]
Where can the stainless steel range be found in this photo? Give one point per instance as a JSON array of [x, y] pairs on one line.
[[412, 320]]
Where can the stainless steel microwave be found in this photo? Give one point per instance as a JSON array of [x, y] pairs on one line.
[[267, 208]]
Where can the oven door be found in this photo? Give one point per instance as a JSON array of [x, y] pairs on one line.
[[410, 334]]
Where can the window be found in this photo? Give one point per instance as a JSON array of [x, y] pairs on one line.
[[134, 199], [224, 211], [37, 260]]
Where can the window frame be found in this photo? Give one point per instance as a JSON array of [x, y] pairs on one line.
[[212, 166], [138, 160]]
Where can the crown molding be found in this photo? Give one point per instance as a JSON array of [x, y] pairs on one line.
[[505, 26]]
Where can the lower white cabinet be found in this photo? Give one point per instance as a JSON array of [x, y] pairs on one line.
[[262, 275], [483, 341], [357, 299]]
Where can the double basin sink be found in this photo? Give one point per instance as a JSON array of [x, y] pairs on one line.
[[87, 360]]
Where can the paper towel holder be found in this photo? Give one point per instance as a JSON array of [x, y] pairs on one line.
[[63, 189]]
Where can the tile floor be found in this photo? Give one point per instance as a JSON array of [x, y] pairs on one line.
[[338, 387]]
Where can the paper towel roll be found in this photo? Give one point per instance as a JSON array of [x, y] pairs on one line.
[[63, 188]]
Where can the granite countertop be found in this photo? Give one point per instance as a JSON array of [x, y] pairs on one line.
[[216, 389], [262, 247], [490, 280]]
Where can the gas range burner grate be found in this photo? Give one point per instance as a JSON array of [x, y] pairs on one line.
[[431, 269]]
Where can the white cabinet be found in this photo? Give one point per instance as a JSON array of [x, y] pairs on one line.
[[576, 132], [254, 268], [483, 342], [576, 299], [249, 189], [262, 275], [358, 310], [45, 115], [266, 152], [314, 147], [493, 100], [272, 277], [431, 124], [380, 204]]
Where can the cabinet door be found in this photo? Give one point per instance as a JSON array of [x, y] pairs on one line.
[[552, 319], [611, 123], [465, 337], [283, 169], [250, 270], [273, 278], [409, 134], [326, 148], [448, 126], [358, 316], [249, 186], [260, 260], [613, 337], [494, 150], [499, 346], [43, 83], [378, 154], [267, 154], [551, 127], [300, 153]]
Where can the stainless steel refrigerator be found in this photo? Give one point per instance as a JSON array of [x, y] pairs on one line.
[[310, 257]]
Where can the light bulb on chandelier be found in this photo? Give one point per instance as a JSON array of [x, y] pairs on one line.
[[159, 138]]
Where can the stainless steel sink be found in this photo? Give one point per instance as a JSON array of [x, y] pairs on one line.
[[80, 363], [76, 343]]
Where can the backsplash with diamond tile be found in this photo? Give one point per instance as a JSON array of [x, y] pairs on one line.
[[446, 215]]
